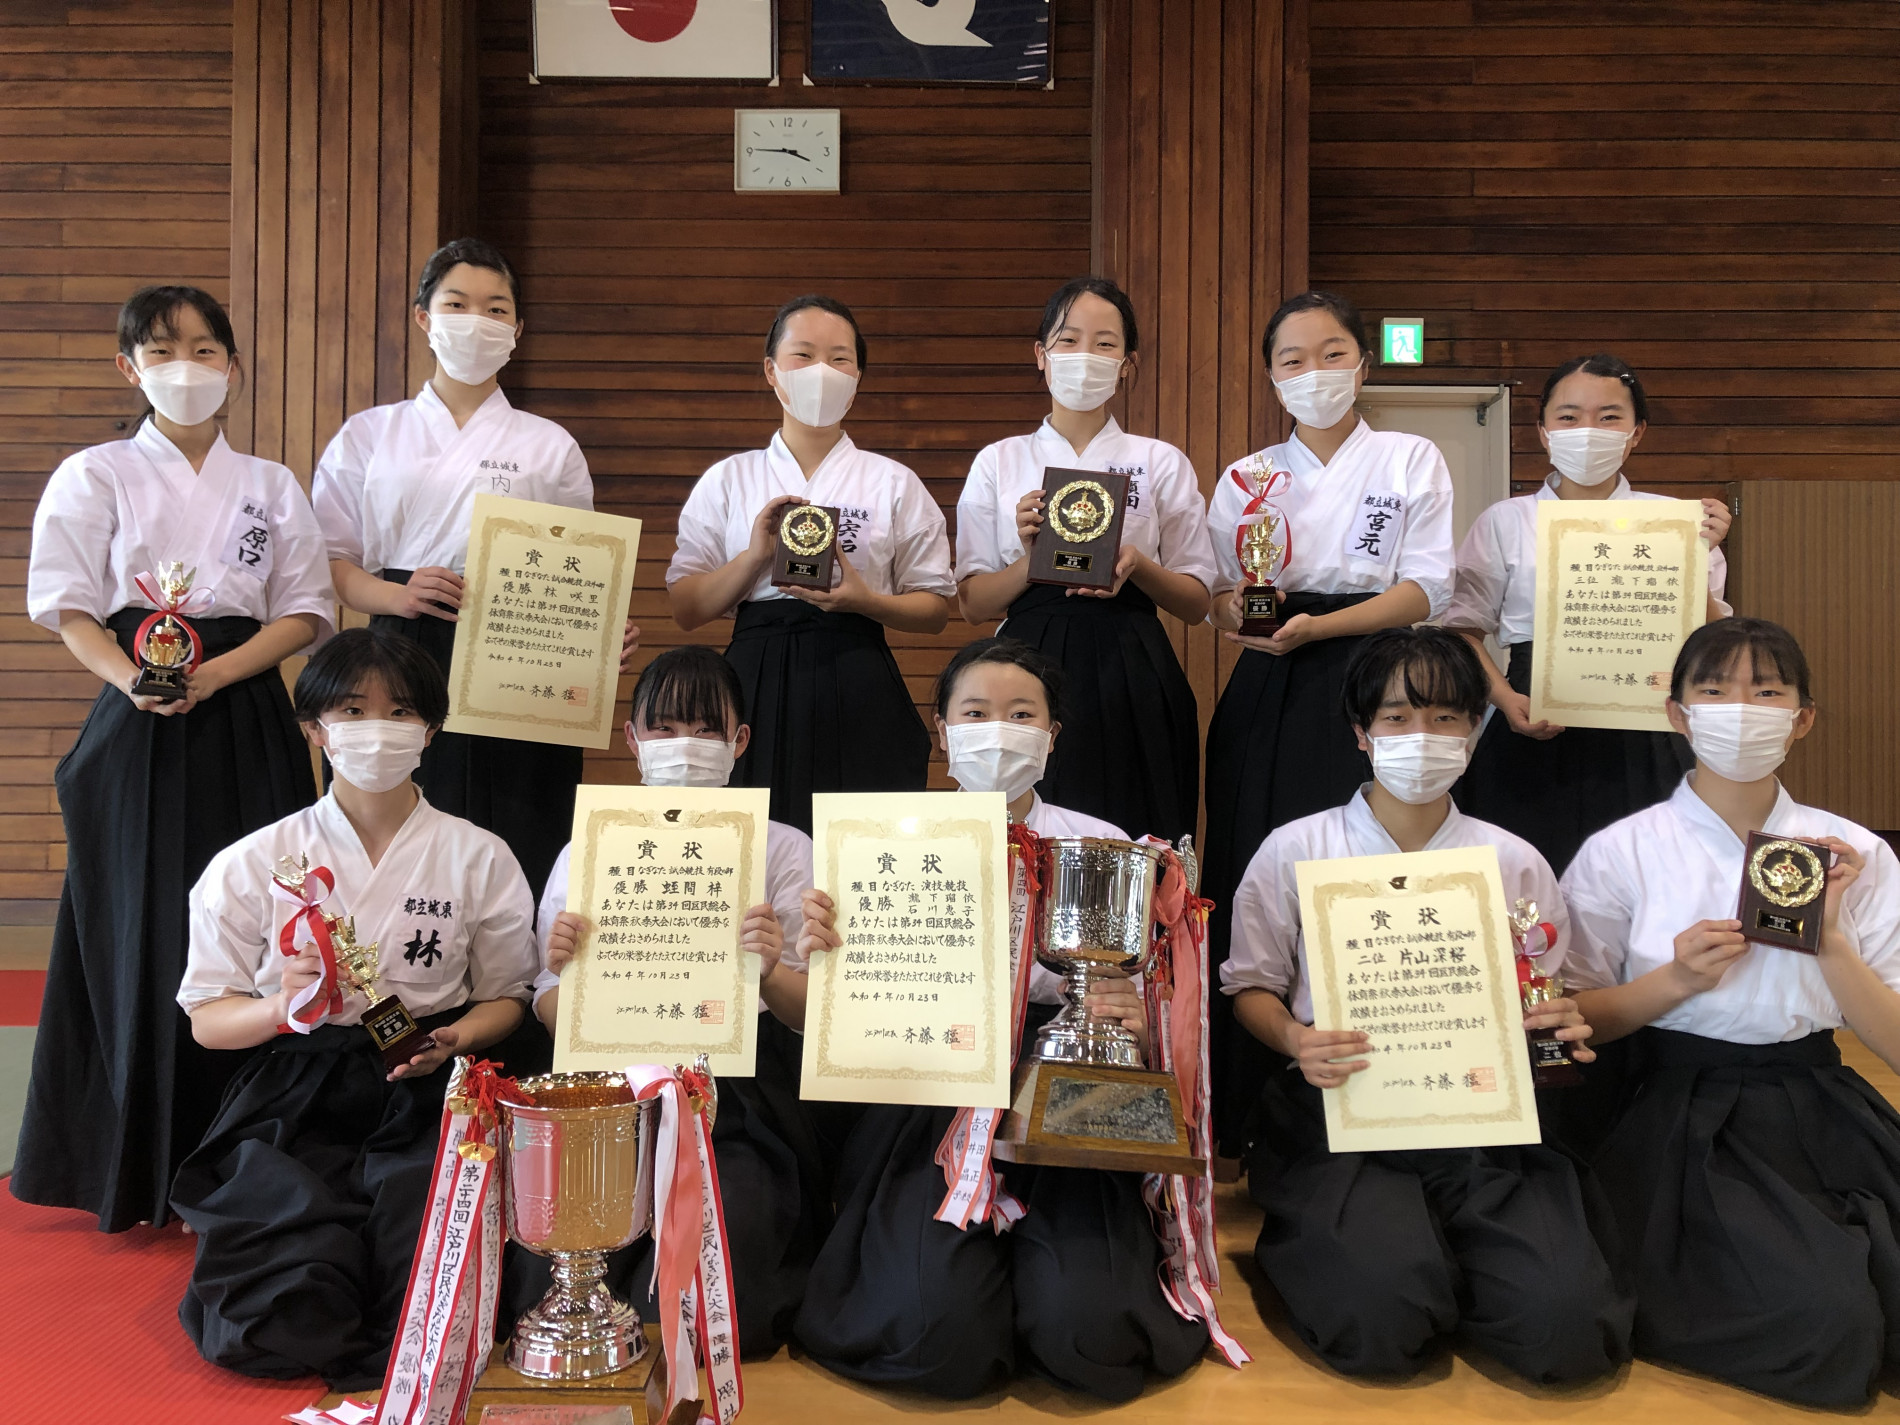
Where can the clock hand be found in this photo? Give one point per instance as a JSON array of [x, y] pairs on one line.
[[792, 151]]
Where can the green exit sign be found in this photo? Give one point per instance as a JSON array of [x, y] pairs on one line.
[[1402, 341]]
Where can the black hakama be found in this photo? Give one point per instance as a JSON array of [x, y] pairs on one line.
[[1559, 793], [1130, 745], [120, 1091], [307, 1196], [828, 707], [1381, 1256], [521, 791], [1757, 1192], [1279, 748], [1072, 1291]]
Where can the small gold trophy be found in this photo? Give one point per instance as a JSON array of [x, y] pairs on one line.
[[1551, 1064], [164, 645], [1262, 546], [387, 1019]]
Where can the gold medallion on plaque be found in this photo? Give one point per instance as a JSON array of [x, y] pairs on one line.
[[1081, 511], [807, 530], [1786, 873]]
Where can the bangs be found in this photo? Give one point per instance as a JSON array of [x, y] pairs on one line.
[[689, 685], [1432, 682], [1716, 649], [1434, 667], [348, 663]]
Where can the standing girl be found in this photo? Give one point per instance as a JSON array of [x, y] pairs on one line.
[[828, 708], [394, 493], [152, 790], [1551, 786], [1367, 523], [1131, 707]]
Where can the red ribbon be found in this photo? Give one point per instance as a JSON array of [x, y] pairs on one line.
[[325, 1002], [174, 606], [487, 1088]]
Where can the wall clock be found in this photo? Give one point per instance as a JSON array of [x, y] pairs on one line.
[[785, 151]]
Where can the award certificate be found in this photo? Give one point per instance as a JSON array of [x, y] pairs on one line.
[[664, 876], [537, 649], [1415, 951], [915, 1008], [1620, 584]]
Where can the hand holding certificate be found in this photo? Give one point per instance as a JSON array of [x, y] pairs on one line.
[[914, 1008], [1416, 952], [537, 649], [664, 876]]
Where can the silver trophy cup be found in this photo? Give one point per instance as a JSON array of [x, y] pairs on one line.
[[1097, 915], [577, 1168]]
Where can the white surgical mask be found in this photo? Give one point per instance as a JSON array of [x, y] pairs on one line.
[[1319, 399], [684, 761], [186, 393], [1082, 380], [1006, 757], [375, 753], [1588, 455], [1417, 767], [816, 395], [1743, 742], [470, 348]]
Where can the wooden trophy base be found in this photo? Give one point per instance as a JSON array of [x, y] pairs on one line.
[[1259, 611], [641, 1387], [165, 684], [397, 1035], [1085, 1116], [1551, 1064]]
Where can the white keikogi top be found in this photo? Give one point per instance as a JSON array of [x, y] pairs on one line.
[[447, 908], [888, 526], [396, 487], [1165, 519], [116, 511], [1640, 882], [1379, 514], [787, 874], [1496, 582], [1267, 948]]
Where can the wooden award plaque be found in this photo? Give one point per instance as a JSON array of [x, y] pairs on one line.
[[1081, 534], [1089, 1116], [1784, 883], [807, 547]]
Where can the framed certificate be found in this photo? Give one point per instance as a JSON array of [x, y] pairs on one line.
[[1415, 951], [1620, 584], [665, 876], [915, 1008], [537, 649]]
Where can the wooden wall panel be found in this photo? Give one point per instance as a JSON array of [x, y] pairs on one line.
[[1704, 187], [649, 283], [115, 169]]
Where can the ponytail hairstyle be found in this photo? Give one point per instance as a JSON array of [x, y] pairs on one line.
[[1056, 311], [1602, 364], [1339, 308], [148, 313], [476, 252]]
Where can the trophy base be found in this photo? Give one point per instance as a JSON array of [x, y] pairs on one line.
[[1097, 1116], [165, 684], [1259, 612], [578, 1346], [394, 1029], [1551, 1064]]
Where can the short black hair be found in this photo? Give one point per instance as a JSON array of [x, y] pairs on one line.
[[1712, 650], [810, 302], [690, 684], [148, 313], [1339, 308], [1601, 364], [1441, 671], [1056, 310], [345, 663], [1001, 650], [476, 252]]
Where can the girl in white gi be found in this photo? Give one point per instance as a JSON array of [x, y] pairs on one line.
[[395, 491], [1130, 706], [152, 790], [823, 695], [308, 1192], [1368, 523], [1550, 785], [1071, 1290], [686, 729], [1380, 1256], [1755, 1179]]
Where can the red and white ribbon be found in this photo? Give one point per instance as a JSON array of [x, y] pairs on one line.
[[317, 1002], [1260, 507], [190, 606]]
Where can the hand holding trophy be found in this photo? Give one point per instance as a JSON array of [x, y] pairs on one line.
[[166, 646], [1551, 1064], [1263, 545]]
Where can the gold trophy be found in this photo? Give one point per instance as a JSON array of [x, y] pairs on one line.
[[1262, 546], [1551, 1064], [164, 645], [388, 1020]]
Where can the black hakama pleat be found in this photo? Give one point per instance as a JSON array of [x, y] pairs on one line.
[[521, 791], [1757, 1188], [120, 1091], [897, 1298], [1557, 794], [307, 1196], [773, 1190], [1130, 745], [827, 705], [1279, 748], [1381, 1256]]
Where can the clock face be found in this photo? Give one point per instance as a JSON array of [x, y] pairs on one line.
[[785, 150]]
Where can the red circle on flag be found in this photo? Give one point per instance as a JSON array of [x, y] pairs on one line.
[[653, 21]]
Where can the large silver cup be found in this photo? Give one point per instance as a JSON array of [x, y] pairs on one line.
[[575, 1163], [1097, 915]]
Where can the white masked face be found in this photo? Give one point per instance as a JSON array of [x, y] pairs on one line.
[[375, 754], [1006, 757], [1587, 455], [186, 393], [1319, 399], [470, 348], [817, 395], [685, 761], [1742, 742], [1082, 380], [1418, 767]]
